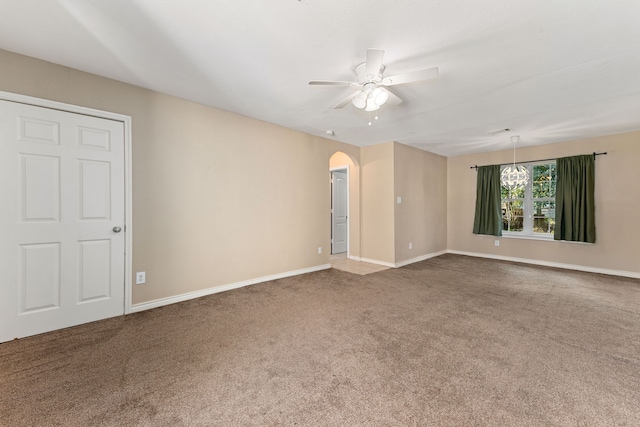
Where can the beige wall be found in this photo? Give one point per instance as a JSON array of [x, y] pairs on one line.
[[617, 205], [217, 197], [393, 170], [339, 160], [377, 203], [420, 179]]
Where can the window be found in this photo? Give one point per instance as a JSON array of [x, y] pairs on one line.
[[530, 211]]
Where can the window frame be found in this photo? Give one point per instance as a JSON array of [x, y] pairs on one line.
[[528, 202]]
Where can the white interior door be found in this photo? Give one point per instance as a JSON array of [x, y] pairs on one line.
[[62, 214], [339, 211]]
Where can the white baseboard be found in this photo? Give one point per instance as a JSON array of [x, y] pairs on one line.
[[402, 263], [197, 294], [418, 259], [587, 269], [375, 261], [355, 258]]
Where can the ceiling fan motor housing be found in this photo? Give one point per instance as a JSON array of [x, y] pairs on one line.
[[362, 77]]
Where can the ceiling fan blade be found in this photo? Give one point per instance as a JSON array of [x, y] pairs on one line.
[[330, 83], [374, 62], [393, 98], [345, 102], [415, 76]]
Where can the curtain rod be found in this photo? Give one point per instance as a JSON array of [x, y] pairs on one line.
[[541, 160]]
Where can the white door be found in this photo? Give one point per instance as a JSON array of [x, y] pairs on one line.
[[62, 219], [339, 195]]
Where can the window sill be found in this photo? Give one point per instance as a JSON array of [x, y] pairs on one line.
[[528, 237], [542, 238]]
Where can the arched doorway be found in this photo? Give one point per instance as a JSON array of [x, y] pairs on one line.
[[345, 205]]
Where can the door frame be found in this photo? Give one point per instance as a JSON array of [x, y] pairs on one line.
[[331, 171], [128, 195]]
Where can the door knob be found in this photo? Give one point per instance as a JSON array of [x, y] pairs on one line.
[[117, 229]]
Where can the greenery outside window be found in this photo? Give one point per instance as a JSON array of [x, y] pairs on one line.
[[530, 211]]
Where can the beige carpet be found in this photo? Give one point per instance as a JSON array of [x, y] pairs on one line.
[[448, 341]]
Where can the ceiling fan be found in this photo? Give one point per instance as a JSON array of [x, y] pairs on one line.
[[372, 84]]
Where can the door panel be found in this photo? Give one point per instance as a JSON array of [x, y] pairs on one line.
[[62, 183], [339, 229], [95, 270], [39, 271], [95, 190], [38, 130], [40, 188]]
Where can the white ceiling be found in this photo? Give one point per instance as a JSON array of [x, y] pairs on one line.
[[551, 70]]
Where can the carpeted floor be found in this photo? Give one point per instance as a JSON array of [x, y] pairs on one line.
[[448, 341]]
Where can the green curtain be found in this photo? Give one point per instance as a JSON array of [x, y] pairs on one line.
[[488, 219], [575, 205]]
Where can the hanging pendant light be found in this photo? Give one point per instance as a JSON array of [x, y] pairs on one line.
[[516, 176]]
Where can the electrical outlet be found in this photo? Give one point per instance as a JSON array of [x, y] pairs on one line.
[[141, 277], [410, 245], [319, 249], [399, 199], [496, 242]]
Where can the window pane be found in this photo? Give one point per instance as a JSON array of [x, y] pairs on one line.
[[543, 225], [504, 191], [543, 184], [518, 193], [543, 217], [552, 181], [512, 215]]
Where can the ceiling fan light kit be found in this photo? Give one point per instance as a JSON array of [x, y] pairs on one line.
[[360, 100], [371, 104], [380, 96], [369, 99]]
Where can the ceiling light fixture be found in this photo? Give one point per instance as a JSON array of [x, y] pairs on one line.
[[371, 97], [371, 104], [380, 96], [360, 100], [516, 176]]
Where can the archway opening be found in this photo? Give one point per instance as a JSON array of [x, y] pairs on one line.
[[345, 206]]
